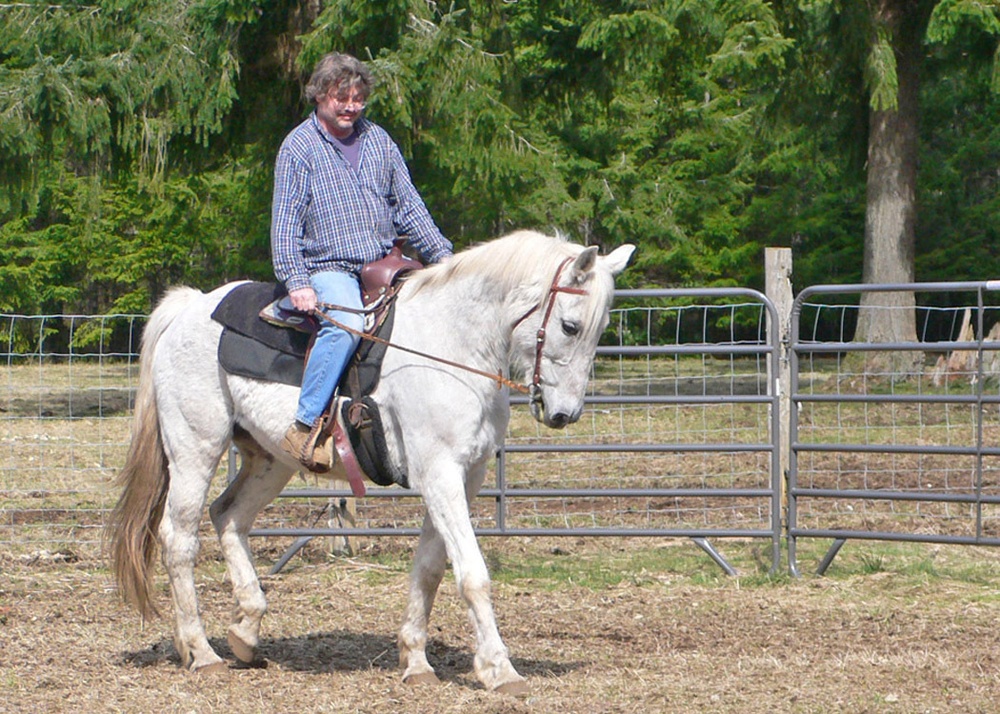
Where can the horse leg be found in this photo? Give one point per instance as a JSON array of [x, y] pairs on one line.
[[448, 509], [428, 569], [259, 481], [189, 480]]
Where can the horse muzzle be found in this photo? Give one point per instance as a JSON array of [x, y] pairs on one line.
[[552, 418]]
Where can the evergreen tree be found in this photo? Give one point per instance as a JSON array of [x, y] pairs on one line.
[[137, 139], [97, 103], [877, 52]]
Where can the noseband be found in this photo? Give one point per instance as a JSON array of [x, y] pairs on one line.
[[554, 289]]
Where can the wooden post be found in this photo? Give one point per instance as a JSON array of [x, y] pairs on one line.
[[778, 287]]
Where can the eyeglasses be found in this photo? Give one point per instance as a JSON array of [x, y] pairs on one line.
[[345, 102]]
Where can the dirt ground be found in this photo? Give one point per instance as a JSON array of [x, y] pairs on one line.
[[649, 642]]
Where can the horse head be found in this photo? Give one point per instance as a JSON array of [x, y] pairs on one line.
[[571, 316]]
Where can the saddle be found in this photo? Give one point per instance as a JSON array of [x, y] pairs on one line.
[[264, 337]]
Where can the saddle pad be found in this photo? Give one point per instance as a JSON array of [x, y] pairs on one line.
[[251, 347], [246, 357], [240, 311]]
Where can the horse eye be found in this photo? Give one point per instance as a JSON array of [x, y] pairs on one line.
[[570, 328]]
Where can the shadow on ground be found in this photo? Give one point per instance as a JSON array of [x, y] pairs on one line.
[[346, 651]]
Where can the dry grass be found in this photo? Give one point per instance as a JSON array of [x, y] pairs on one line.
[[596, 626]]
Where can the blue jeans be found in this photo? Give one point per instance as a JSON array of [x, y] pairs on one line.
[[334, 347]]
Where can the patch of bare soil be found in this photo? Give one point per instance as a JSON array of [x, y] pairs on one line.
[[63, 404], [875, 643]]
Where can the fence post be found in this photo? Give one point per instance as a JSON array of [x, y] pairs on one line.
[[778, 287]]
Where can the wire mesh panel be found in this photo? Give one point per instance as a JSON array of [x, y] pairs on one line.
[[896, 440], [677, 437], [65, 412], [677, 415]]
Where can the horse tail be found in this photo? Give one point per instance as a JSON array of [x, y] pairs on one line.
[[131, 531]]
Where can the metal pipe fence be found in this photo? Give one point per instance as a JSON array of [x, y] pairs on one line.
[[678, 438], [894, 453], [671, 477]]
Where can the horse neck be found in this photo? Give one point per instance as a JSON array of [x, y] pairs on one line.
[[471, 320]]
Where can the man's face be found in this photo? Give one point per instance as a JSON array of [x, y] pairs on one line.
[[339, 109]]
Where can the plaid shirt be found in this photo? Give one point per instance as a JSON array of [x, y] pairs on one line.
[[327, 216]]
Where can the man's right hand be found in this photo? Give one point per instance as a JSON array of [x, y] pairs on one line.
[[303, 299]]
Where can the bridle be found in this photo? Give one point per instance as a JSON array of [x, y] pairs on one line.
[[534, 389]]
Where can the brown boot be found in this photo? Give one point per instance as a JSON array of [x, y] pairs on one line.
[[300, 442]]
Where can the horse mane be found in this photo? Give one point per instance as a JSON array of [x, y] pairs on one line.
[[524, 261], [509, 261]]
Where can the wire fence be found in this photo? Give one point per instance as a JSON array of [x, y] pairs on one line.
[[676, 437], [677, 440], [65, 412], [896, 440]]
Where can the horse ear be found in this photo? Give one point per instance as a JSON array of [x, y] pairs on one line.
[[583, 264], [617, 259]]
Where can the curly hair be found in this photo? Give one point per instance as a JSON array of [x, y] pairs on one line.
[[337, 71]]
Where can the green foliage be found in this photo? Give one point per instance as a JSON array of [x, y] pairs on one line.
[[959, 187], [103, 86], [951, 16], [610, 122], [359, 28], [953, 21], [881, 79], [100, 104], [137, 138], [657, 137], [91, 248]]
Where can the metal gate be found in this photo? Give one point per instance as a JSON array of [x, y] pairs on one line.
[[908, 453], [678, 439]]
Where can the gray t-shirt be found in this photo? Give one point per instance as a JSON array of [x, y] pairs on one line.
[[349, 147]]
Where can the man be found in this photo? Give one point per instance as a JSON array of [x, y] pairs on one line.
[[342, 195]]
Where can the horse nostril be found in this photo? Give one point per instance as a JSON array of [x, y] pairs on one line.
[[559, 420]]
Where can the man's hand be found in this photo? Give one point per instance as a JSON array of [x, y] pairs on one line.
[[303, 299]]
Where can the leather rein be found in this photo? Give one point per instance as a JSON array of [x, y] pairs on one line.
[[536, 379]]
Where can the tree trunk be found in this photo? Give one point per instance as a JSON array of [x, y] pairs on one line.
[[890, 211]]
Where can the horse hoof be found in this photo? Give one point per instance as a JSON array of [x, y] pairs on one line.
[[244, 652], [210, 669], [422, 679], [514, 689]]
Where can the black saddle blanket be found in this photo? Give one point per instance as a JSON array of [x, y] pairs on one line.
[[251, 347]]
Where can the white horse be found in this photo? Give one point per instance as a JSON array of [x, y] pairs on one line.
[[526, 304]]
